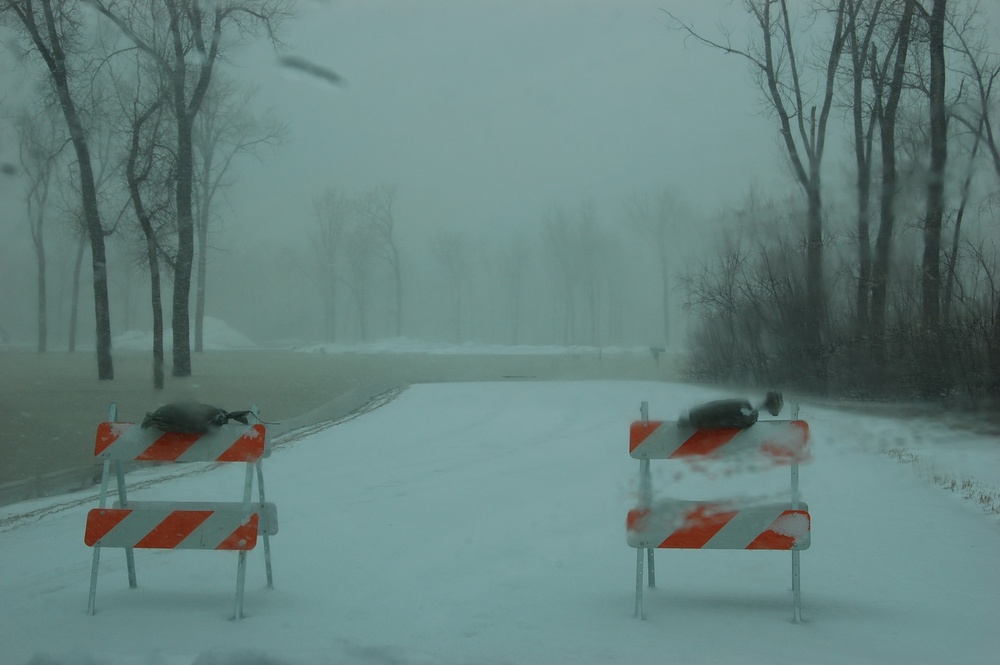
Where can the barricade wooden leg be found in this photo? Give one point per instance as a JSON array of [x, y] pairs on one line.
[[652, 568], [796, 589], [95, 566], [638, 584], [241, 574], [796, 579], [123, 500], [92, 601], [267, 526]]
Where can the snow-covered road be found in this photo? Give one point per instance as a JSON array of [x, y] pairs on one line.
[[485, 523]]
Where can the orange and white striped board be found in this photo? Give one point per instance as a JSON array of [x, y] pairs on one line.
[[233, 442], [784, 441], [697, 525], [171, 525]]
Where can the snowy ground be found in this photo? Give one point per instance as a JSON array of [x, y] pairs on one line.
[[484, 523]]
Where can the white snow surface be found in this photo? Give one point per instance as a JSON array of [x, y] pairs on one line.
[[485, 523]]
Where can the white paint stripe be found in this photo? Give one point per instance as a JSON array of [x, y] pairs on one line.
[[214, 443], [130, 443], [210, 534], [662, 441], [663, 519], [745, 527], [133, 528]]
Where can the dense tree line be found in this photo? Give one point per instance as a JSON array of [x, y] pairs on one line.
[[915, 82]]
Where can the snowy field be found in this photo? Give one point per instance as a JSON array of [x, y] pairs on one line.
[[485, 523]]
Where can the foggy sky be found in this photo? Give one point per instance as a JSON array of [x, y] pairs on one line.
[[486, 114]]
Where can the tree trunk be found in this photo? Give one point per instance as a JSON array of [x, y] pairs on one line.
[[398, 277], [957, 233], [330, 292], [815, 293], [185, 241], [156, 297], [74, 306], [51, 49], [37, 220], [204, 215], [43, 326], [134, 180], [863, 136], [887, 212], [931, 274], [935, 347], [664, 282], [199, 307]]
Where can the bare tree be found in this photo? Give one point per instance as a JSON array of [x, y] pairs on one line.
[[887, 96], [361, 244], [332, 215], [931, 273], [54, 30], [451, 249], [863, 17], [81, 246], [557, 234], [140, 163], [104, 146], [40, 145], [375, 208], [148, 171], [779, 67], [184, 40], [978, 71], [591, 268], [658, 218], [513, 265]]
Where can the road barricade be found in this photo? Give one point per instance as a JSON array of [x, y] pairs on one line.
[[729, 525], [201, 525]]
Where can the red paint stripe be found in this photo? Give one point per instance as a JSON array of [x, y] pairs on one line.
[[247, 448], [243, 538], [100, 521], [700, 525], [168, 447], [106, 435], [791, 446], [704, 442], [635, 519], [175, 528], [639, 432], [771, 539]]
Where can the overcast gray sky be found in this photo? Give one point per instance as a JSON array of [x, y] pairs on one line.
[[492, 112]]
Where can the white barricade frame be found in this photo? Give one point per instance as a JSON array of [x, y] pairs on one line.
[[206, 525], [677, 524]]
